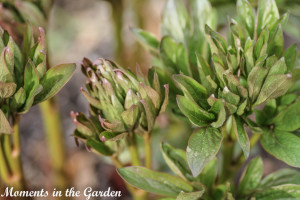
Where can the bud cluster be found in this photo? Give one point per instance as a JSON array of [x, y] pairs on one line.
[[118, 102]]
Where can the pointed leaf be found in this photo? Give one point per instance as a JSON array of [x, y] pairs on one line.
[[241, 134], [283, 145], [251, 176], [282, 192], [154, 182], [5, 127], [289, 118], [54, 79], [176, 160], [191, 110], [203, 146]]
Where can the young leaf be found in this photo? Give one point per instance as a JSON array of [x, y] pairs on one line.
[[252, 176], [99, 147], [176, 160], [4, 124], [255, 81], [267, 14], [209, 174], [31, 84], [191, 110], [289, 118], [281, 177], [246, 16], [146, 38], [290, 56], [175, 21], [190, 196], [7, 89], [168, 51], [273, 87], [18, 99], [241, 134], [280, 192], [191, 88], [283, 145], [182, 60], [55, 78], [201, 13], [203, 146], [155, 182]]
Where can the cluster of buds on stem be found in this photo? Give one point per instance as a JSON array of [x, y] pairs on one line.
[[119, 103]]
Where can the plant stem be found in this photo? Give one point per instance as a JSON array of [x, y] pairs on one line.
[[132, 147], [227, 151], [54, 136], [10, 159], [148, 150], [254, 139], [4, 170]]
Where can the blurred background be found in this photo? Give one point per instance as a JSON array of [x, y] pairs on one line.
[[94, 29]]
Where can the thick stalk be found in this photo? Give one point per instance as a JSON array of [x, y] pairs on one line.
[[54, 136], [10, 159], [148, 150], [117, 13], [133, 149], [227, 152], [4, 170]]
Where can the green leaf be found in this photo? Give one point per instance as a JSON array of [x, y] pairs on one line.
[[5, 73], [281, 177], [273, 87], [31, 12], [255, 81], [7, 89], [282, 192], [246, 16], [283, 145], [182, 60], [99, 147], [203, 146], [251, 176], [190, 196], [55, 78], [154, 182], [267, 14], [18, 99], [146, 38], [289, 118], [219, 109], [168, 51], [209, 174], [191, 88], [195, 113], [290, 56], [241, 134], [201, 13], [175, 21], [130, 116], [5, 127], [176, 160], [31, 84]]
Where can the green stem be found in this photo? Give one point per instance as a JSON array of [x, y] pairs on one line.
[[254, 139], [54, 136], [133, 149], [227, 151], [148, 150], [4, 170], [10, 158], [117, 14]]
